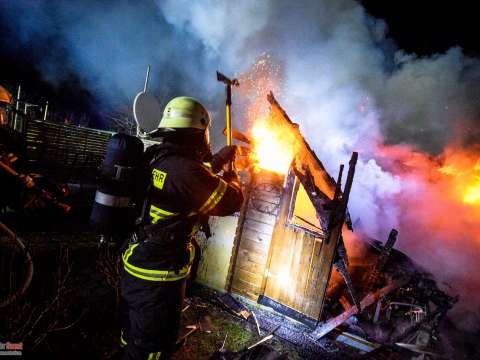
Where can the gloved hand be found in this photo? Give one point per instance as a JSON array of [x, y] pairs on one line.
[[231, 176], [224, 156]]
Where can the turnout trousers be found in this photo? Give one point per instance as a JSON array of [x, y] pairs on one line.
[[154, 296], [154, 317]]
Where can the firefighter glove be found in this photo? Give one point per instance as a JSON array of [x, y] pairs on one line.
[[224, 156], [230, 176]]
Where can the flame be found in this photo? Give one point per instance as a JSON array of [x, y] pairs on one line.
[[472, 193], [455, 174], [463, 167], [274, 146], [436, 204], [449, 170]]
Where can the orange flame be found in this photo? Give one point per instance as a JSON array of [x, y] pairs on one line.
[[274, 146], [472, 192], [464, 170]]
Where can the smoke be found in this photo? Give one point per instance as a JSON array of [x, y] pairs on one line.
[[437, 227], [108, 45], [348, 94], [338, 82], [216, 25], [426, 99]]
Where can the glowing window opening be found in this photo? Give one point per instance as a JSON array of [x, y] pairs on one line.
[[302, 213]]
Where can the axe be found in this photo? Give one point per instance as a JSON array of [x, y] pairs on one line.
[[228, 106]]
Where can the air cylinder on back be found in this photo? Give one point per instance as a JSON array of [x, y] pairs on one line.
[[112, 213]]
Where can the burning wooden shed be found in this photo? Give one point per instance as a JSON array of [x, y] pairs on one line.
[[276, 251], [279, 250]]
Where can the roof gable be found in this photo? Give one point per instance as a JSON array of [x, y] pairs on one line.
[[306, 156]]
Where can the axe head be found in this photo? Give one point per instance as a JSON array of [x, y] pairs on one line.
[[226, 80]]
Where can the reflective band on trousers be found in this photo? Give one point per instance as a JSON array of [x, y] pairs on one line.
[[123, 342], [156, 275], [154, 355], [111, 200], [214, 198]]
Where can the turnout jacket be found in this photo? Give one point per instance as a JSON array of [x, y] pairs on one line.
[[181, 191]]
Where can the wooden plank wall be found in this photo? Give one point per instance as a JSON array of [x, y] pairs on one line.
[[294, 261], [284, 263], [254, 239], [281, 262], [295, 266]]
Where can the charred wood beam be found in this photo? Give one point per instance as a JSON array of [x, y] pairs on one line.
[[277, 107], [336, 253], [368, 300], [435, 315], [341, 263], [392, 346], [340, 211], [336, 221], [382, 260]]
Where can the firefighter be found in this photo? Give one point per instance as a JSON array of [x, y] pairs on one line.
[[181, 190], [10, 148], [5, 100], [10, 140]]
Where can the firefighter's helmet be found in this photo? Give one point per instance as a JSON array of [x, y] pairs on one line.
[[184, 113], [5, 97]]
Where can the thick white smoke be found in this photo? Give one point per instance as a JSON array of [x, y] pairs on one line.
[[224, 28], [347, 95]]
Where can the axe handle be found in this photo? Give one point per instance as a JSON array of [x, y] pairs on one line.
[[228, 118], [229, 124], [228, 107]]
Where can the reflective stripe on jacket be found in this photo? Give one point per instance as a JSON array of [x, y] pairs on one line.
[[183, 187]]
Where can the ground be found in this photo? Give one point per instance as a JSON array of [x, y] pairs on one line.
[[72, 308], [237, 334]]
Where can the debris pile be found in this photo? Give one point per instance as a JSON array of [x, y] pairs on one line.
[[400, 313], [401, 306]]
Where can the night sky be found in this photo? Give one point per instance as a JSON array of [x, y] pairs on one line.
[[430, 28], [425, 30]]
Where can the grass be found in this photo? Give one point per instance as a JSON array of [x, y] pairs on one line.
[[201, 345], [240, 334]]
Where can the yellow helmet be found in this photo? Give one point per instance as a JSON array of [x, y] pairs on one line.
[[184, 112], [5, 96]]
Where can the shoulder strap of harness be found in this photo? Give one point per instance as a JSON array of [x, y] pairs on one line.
[[152, 156]]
